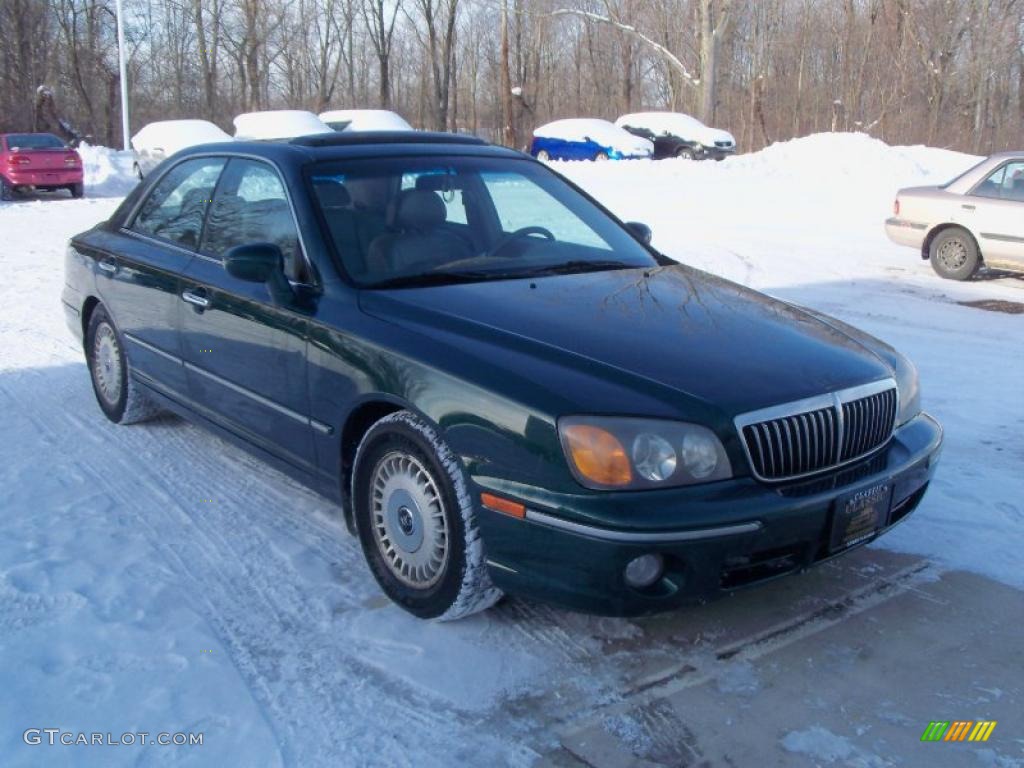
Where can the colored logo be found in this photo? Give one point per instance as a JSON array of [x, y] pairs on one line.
[[958, 730]]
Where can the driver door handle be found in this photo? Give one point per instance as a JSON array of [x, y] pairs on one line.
[[107, 265], [967, 207], [196, 298]]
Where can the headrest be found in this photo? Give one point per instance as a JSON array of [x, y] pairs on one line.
[[419, 209], [368, 192], [331, 194]]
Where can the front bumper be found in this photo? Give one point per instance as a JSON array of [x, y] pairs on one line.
[[714, 539], [719, 153]]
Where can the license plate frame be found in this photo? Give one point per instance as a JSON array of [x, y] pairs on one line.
[[857, 517]]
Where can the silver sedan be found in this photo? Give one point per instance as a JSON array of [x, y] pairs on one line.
[[975, 219]]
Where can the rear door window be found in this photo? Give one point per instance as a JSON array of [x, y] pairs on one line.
[[1005, 183], [176, 206]]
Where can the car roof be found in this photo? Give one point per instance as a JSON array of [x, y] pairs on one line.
[[341, 145]]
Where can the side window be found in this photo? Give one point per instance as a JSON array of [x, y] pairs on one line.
[[251, 206], [176, 206], [1005, 183]]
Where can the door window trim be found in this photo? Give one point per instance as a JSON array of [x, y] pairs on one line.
[[129, 220]]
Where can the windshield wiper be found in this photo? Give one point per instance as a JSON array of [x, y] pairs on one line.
[[573, 267], [433, 278]]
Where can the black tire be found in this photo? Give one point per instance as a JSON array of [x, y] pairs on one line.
[[685, 153], [77, 190], [403, 454], [6, 190], [543, 155], [954, 254], [601, 156], [119, 397], [719, 158]]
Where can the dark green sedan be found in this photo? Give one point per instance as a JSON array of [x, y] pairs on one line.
[[505, 389]]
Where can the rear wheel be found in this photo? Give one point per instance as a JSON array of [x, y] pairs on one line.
[[954, 254], [685, 153], [77, 190], [601, 156], [416, 521], [118, 396]]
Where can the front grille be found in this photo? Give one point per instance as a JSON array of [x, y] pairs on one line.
[[820, 433], [723, 143]]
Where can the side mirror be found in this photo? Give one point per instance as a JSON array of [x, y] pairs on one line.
[[640, 231], [260, 263]]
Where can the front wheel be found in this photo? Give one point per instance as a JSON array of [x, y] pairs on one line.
[[601, 156], [118, 396], [685, 153], [417, 522], [954, 254]]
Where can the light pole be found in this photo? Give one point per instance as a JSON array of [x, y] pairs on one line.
[[123, 65]]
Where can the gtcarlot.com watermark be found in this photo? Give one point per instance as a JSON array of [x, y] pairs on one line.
[[55, 737]]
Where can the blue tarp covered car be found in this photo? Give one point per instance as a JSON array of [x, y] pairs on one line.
[[587, 139]]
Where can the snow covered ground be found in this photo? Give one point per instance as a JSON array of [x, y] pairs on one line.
[[155, 579]]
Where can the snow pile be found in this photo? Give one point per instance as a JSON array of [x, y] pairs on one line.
[[278, 124], [169, 136], [108, 172], [366, 120]]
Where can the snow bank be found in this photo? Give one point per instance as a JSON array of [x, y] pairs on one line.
[[108, 172]]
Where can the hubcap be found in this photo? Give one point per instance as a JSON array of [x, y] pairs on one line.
[[106, 366], [409, 525], [953, 254]]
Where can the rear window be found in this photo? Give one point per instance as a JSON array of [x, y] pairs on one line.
[[34, 141]]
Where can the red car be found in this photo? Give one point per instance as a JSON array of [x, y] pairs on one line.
[[38, 161]]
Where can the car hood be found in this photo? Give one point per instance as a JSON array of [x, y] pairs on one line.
[[675, 328], [710, 135]]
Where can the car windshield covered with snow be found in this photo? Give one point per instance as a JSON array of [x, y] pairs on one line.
[[34, 141], [417, 220]]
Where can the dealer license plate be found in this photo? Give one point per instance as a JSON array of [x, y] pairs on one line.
[[858, 516]]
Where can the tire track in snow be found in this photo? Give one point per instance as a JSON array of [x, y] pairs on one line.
[[304, 695]]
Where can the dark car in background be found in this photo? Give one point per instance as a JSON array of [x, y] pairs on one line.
[[505, 388], [38, 161], [677, 135]]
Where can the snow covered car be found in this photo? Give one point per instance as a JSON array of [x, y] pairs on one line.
[[503, 387], [365, 120], [677, 135], [30, 161], [587, 139], [155, 142], [977, 218], [276, 124]]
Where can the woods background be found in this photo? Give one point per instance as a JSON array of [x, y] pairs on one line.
[[942, 72]]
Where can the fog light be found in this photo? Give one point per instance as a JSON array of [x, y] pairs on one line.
[[644, 570]]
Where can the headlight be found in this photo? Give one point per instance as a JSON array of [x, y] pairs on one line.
[[625, 453], [909, 390]]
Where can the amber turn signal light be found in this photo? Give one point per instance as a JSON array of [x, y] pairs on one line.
[[504, 506], [598, 455]]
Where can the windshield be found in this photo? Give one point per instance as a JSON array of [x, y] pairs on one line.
[[34, 141], [422, 220]]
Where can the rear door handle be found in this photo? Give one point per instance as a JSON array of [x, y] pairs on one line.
[[107, 265], [196, 298]]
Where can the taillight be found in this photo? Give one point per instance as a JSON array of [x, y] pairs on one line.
[[72, 160], [18, 160], [896, 207]]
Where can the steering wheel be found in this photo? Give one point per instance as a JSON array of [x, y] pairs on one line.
[[519, 233]]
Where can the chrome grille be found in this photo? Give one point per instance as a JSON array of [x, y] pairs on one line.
[[819, 433]]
